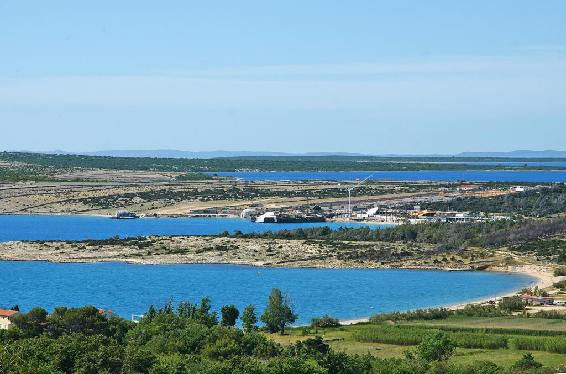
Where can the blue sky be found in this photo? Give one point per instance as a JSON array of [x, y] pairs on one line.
[[360, 76]]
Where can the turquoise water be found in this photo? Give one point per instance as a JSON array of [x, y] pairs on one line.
[[546, 176], [344, 293], [549, 164], [53, 227]]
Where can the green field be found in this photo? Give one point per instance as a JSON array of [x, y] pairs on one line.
[[465, 331]]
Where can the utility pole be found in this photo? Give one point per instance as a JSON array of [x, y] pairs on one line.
[[350, 194]]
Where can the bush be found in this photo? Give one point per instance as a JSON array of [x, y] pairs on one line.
[[527, 362], [435, 347], [325, 321], [418, 314], [511, 304], [476, 310], [560, 271], [480, 367], [229, 315]]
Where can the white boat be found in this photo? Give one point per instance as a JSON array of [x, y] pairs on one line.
[[267, 217], [125, 215]]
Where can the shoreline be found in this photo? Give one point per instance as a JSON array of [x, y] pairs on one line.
[[542, 276]]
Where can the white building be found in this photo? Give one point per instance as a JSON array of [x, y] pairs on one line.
[[372, 212], [267, 217], [5, 318], [248, 213]]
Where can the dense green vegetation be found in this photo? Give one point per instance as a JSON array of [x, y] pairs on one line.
[[190, 339], [444, 235], [27, 174], [552, 248], [506, 307], [296, 163], [537, 202]]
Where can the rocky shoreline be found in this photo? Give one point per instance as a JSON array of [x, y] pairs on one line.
[[245, 251]]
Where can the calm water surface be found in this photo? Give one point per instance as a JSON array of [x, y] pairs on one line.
[[54, 227], [549, 164], [344, 293], [546, 176]]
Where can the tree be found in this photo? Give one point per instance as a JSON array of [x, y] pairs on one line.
[[229, 315], [324, 322], [279, 313], [249, 318], [435, 347], [32, 323], [511, 304], [527, 362]]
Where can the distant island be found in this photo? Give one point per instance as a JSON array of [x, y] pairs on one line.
[[174, 153]]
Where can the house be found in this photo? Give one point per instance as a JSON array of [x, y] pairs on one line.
[[248, 213], [424, 213], [106, 313], [466, 187], [537, 300], [5, 318]]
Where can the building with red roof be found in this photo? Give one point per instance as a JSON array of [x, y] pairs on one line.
[[5, 318]]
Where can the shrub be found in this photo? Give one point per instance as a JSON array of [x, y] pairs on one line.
[[418, 314], [475, 310], [480, 367], [436, 347], [325, 321], [511, 304], [527, 362], [560, 271], [229, 315]]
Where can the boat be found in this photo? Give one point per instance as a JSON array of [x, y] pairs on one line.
[[300, 219], [125, 215], [267, 217], [271, 217]]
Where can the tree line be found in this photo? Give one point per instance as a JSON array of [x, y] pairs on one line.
[[262, 163], [191, 339], [532, 203], [446, 236]]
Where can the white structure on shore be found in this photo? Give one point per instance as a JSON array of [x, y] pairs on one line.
[[248, 213], [267, 217], [5, 318], [372, 212]]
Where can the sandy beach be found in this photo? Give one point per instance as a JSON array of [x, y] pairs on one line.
[[542, 274], [272, 253]]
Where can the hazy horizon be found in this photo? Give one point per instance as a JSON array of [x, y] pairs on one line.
[[366, 77], [178, 153]]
